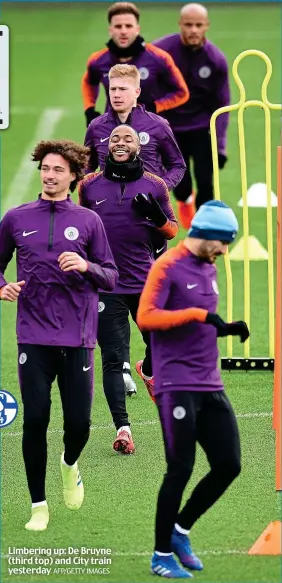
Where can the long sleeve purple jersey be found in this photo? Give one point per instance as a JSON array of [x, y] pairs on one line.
[[159, 150], [179, 292], [56, 308], [206, 73], [161, 80], [129, 234]]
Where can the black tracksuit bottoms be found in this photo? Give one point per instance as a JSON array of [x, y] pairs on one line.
[[196, 146], [114, 311], [39, 366], [188, 417]]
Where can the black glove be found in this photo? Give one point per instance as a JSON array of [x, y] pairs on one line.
[[239, 328], [149, 106], [222, 159], [148, 207], [91, 114], [223, 329]]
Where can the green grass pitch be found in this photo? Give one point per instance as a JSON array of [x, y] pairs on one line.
[[49, 48]]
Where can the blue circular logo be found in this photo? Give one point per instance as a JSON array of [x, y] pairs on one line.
[[8, 408]]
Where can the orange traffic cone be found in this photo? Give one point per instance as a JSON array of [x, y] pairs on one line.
[[270, 541]]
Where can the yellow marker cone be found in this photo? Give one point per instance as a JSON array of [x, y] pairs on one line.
[[256, 251]]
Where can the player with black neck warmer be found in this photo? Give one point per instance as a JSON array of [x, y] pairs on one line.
[[132, 204], [159, 151], [163, 86], [128, 171], [134, 50]]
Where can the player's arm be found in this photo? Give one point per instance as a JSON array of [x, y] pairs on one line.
[[99, 266], [172, 158], [83, 199], [221, 99], [8, 291], [178, 92], [152, 314], [90, 143], [90, 88], [157, 209], [170, 228]]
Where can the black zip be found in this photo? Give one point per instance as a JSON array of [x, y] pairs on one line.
[[51, 226], [122, 190]]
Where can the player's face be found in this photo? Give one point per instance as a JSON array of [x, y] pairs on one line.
[[123, 94], [124, 144], [56, 176], [193, 28], [124, 29], [210, 250]]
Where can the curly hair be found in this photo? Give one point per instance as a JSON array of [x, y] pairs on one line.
[[76, 155]]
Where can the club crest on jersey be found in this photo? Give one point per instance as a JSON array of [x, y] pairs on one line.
[[101, 306], [144, 73], [204, 72], [215, 287], [179, 412], [144, 138], [22, 358], [71, 233]]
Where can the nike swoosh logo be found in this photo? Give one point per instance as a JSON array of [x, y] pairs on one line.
[[85, 368], [104, 139], [100, 201], [159, 250], [26, 233], [192, 285]]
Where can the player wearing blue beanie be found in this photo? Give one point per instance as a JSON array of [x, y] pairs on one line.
[[178, 306], [214, 221]]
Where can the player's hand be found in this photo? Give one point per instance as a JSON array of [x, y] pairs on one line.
[[216, 321], [222, 159], [70, 261], [148, 207], [11, 291], [239, 328], [91, 114], [223, 329]]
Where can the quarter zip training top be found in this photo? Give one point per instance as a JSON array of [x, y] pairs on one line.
[[56, 308], [205, 70], [161, 80], [129, 234], [159, 151], [180, 290]]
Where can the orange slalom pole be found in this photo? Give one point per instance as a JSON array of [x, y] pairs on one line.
[[277, 368], [277, 403]]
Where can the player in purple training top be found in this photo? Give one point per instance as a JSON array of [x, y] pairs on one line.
[[63, 257], [159, 152], [132, 204], [205, 70], [163, 86], [178, 306]]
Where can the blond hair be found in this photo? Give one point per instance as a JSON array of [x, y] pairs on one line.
[[124, 70]]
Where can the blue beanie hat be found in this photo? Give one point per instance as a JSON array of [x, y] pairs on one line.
[[214, 221]]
